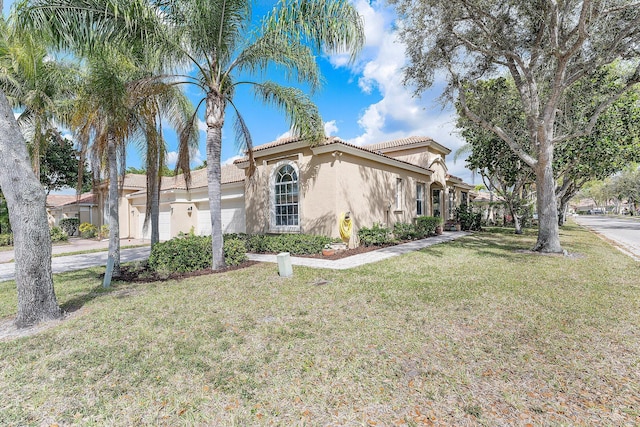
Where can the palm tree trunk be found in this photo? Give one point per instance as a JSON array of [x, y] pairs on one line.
[[215, 121], [114, 221], [155, 211], [26, 201]]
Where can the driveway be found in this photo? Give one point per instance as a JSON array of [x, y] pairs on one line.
[[625, 232], [61, 264]]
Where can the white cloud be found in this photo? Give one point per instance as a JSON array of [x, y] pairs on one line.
[[398, 114], [202, 125], [232, 159], [196, 158], [330, 128], [287, 134]]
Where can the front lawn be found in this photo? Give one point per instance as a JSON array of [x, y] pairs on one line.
[[473, 332]]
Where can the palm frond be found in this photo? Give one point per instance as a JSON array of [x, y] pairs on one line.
[[301, 112], [296, 59], [342, 28]]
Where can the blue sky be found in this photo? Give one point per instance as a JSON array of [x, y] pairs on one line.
[[363, 102]]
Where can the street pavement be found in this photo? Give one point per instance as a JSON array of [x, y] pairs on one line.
[[62, 264], [625, 232]]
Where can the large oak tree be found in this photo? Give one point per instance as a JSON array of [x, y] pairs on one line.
[[545, 45]]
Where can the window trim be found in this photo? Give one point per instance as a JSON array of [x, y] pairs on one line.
[[399, 194], [272, 199], [421, 200]]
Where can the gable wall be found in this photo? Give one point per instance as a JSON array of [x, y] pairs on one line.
[[331, 185]]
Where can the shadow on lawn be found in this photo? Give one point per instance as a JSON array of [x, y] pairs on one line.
[[485, 245]]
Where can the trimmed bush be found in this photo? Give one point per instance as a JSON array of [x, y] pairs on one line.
[[70, 225], [87, 230], [6, 239], [58, 235], [295, 244], [181, 254], [426, 225], [404, 231], [374, 236], [235, 251], [191, 253]]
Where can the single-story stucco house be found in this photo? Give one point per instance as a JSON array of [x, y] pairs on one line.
[[84, 207], [298, 188]]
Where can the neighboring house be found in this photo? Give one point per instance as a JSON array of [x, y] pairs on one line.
[[182, 210], [299, 188], [83, 207], [492, 207]]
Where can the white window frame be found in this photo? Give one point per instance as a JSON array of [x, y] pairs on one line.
[[272, 199], [399, 193], [420, 205]]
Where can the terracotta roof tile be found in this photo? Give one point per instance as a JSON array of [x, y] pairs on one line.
[[397, 143]]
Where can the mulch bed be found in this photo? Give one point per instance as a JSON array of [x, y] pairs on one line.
[[140, 273]]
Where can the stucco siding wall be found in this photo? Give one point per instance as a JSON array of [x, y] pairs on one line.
[[330, 185], [369, 192], [417, 156], [183, 218]]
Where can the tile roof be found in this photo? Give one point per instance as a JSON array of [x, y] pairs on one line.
[[397, 143], [335, 140], [57, 200], [230, 174]]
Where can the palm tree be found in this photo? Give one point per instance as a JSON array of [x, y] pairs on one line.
[[38, 85], [217, 40], [119, 103], [25, 200]]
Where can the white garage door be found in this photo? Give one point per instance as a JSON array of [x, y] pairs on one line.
[[141, 232], [164, 223], [233, 220], [233, 217]]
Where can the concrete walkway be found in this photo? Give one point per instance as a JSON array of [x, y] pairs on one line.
[[62, 264], [367, 257]]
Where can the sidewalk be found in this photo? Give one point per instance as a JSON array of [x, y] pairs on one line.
[[78, 262], [76, 244], [367, 257]]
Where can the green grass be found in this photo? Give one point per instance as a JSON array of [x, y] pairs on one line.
[[465, 333]]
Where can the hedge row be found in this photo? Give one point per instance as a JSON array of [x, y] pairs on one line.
[[379, 235], [192, 253]]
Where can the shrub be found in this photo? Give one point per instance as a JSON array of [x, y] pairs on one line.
[[374, 236], [87, 230], [468, 219], [58, 235], [104, 231], [235, 251], [70, 225], [181, 254], [6, 239], [426, 225], [295, 244], [191, 253], [404, 231]]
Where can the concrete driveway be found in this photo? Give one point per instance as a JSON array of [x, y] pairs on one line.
[[625, 232], [61, 264]]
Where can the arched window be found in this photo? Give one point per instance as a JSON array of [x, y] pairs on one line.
[[286, 197]]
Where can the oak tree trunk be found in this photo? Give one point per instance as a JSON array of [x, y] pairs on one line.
[[215, 120], [26, 202], [547, 204]]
